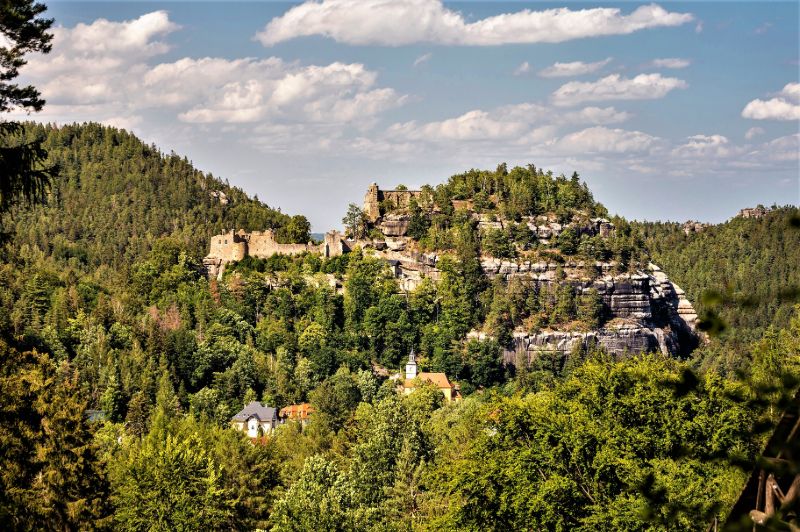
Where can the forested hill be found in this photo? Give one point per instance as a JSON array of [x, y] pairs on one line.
[[114, 196], [744, 269]]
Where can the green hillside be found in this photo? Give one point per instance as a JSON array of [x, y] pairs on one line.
[[115, 196], [122, 366], [745, 269]]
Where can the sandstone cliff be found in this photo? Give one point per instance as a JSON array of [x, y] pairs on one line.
[[645, 312]]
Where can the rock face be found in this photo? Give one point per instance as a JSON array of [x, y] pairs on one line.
[[394, 225], [619, 340], [645, 312]]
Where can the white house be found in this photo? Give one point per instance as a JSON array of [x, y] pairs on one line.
[[256, 419]]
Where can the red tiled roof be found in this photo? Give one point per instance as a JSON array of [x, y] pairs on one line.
[[301, 411], [439, 379]]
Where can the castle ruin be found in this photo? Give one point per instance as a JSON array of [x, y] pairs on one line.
[[754, 212], [401, 199], [235, 246]]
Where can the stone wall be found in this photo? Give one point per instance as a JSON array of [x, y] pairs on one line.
[[754, 212], [262, 245], [228, 247], [374, 196], [235, 246]]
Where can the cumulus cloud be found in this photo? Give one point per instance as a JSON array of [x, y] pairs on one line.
[[334, 93], [670, 62], [90, 61], [522, 69], [473, 125], [600, 139], [614, 87], [575, 68], [402, 22], [519, 123], [782, 149], [784, 106], [103, 70], [597, 115], [704, 146]]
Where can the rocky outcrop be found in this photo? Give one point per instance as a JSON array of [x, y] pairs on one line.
[[643, 312], [619, 339], [394, 225], [692, 226]]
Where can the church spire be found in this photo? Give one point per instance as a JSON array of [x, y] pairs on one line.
[[411, 366]]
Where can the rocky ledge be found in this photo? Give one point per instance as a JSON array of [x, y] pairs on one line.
[[644, 312]]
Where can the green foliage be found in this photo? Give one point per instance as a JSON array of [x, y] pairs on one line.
[[744, 270], [318, 500], [496, 243], [568, 241], [577, 457], [115, 196], [24, 175], [419, 224], [296, 230], [107, 279], [51, 476], [355, 221]]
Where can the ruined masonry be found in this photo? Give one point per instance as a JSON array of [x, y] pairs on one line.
[[401, 199], [234, 246]]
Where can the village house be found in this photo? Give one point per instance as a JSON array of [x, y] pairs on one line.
[[449, 390], [300, 413], [256, 419]]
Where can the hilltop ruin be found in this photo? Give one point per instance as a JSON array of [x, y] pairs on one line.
[[235, 246]]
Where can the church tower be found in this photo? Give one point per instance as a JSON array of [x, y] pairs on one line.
[[411, 366]]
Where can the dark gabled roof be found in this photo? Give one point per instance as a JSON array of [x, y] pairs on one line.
[[263, 413]]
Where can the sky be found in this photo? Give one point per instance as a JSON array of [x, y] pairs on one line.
[[669, 111]]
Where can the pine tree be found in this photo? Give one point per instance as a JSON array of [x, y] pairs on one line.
[[71, 488], [589, 308], [51, 477]]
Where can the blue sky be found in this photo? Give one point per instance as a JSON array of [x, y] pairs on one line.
[[674, 110]]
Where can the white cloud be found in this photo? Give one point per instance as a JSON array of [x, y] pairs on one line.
[[600, 139], [753, 132], [670, 62], [104, 68], [473, 125], [575, 68], [791, 91], [424, 58], [402, 22], [704, 146], [523, 123], [597, 116], [614, 87], [269, 89], [785, 106], [763, 28], [90, 61], [785, 149], [522, 69]]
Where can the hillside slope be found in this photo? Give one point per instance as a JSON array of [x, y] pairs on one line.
[[115, 196], [750, 263]]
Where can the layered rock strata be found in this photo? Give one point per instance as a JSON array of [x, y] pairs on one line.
[[643, 312]]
